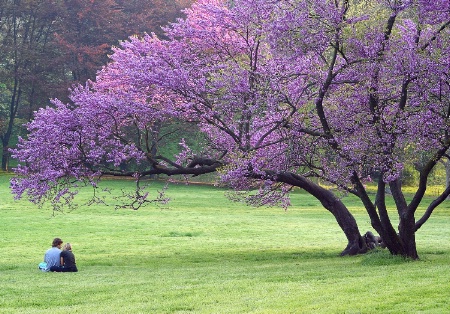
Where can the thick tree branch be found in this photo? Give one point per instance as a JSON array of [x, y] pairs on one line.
[[423, 179], [440, 30], [333, 204], [441, 198], [196, 167]]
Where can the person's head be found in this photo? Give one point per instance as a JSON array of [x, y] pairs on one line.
[[67, 247], [57, 242]]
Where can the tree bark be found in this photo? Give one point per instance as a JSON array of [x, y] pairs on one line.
[[407, 232]]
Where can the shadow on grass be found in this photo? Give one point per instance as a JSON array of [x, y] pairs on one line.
[[212, 257], [380, 257], [178, 234], [10, 267], [265, 255]]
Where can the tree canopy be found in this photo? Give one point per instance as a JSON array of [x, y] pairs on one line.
[[284, 92]]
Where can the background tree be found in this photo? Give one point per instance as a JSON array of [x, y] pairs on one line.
[[47, 46], [88, 29], [26, 28], [285, 92]]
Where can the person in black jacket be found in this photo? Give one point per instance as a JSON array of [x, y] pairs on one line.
[[68, 263]]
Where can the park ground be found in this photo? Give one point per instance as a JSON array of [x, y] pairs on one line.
[[204, 254]]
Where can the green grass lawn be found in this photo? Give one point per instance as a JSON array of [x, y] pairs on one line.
[[204, 254]]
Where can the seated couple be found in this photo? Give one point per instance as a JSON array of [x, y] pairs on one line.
[[60, 261]]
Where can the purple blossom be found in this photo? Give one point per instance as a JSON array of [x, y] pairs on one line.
[[277, 85]]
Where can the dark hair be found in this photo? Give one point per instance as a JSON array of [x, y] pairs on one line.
[[56, 242]]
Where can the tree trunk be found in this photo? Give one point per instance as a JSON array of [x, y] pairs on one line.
[[407, 225], [5, 157], [447, 174], [6, 137], [407, 233], [356, 243]]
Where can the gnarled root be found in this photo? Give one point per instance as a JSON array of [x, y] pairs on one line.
[[364, 244]]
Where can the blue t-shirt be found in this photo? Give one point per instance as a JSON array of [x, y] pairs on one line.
[[52, 257]]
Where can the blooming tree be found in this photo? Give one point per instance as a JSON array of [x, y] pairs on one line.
[[284, 91]]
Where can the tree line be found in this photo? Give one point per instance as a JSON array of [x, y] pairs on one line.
[[47, 46]]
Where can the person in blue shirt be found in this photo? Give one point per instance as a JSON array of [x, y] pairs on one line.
[[53, 255]]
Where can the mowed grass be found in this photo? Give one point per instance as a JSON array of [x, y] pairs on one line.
[[205, 254]]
